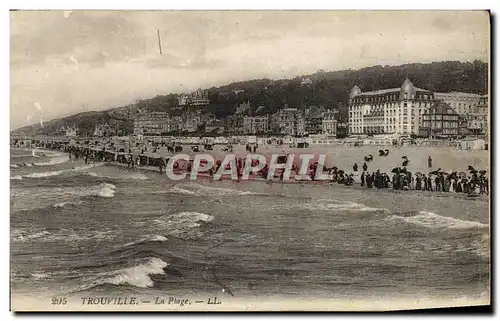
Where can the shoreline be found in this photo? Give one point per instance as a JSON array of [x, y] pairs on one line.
[[357, 186], [252, 178]]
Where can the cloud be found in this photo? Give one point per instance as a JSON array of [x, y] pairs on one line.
[[93, 60]]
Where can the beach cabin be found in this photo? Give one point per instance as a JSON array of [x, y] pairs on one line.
[[288, 140], [220, 141], [473, 144], [251, 139]]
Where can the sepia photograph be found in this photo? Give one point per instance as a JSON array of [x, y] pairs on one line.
[[249, 160]]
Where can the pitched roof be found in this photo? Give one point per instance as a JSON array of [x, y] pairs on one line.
[[440, 108]]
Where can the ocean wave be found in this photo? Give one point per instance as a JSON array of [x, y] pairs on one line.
[[198, 189], [146, 239], [21, 155], [336, 205], [18, 165], [138, 275], [105, 190], [59, 172], [178, 190], [133, 176], [60, 197], [435, 221], [65, 235], [24, 235], [63, 204], [182, 223], [16, 178], [39, 275], [53, 161]]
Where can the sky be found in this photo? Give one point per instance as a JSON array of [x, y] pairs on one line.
[[65, 62]]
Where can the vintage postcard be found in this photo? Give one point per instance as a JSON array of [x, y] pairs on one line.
[[249, 160]]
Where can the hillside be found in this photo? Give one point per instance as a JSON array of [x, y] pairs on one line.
[[330, 89]]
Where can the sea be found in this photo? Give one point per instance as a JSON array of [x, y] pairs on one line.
[[80, 229]]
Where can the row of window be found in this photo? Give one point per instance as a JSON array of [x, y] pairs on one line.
[[441, 117], [427, 124], [390, 97]]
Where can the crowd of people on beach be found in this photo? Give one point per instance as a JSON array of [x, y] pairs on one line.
[[475, 182]]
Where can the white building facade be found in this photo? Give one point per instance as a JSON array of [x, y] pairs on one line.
[[462, 103], [329, 124], [255, 125], [394, 110]]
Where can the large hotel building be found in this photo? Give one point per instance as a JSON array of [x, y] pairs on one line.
[[395, 110]]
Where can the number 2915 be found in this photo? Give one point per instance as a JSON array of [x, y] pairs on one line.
[[59, 301]]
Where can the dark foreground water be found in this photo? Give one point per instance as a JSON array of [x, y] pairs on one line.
[[79, 228]]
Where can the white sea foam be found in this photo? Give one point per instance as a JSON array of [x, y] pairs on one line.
[[138, 275], [53, 161], [16, 178], [181, 223], [13, 166], [39, 275], [124, 175], [335, 205], [24, 235], [72, 235], [148, 238], [435, 221], [45, 174], [220, 191], [59, 172], [178, 190], [106, 190], [21, 155], [63, 204]]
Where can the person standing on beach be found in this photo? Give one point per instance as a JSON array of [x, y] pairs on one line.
[[363, 179], [365, 167], [429, 183], [437, 181], [368, 180], [429, 161], [418, 185], [355, 167]]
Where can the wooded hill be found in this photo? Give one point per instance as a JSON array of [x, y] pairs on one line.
[[330, 89]]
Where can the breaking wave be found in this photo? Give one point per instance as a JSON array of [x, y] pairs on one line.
[[63, 204], [53, 161], [24, 235], [13, 166], [137, 275], [65, 234], [335, 205], [178, 190], [146, 239], [435, 221], [136, 176], [105, 190], [197, 189], [16, 178], [59, 172], [182, 224]]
